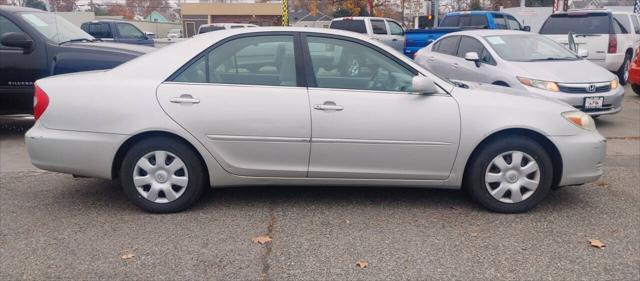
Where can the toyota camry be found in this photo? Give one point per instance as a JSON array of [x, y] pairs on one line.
[[281, 106]]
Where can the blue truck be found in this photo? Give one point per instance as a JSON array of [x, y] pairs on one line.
[[417, 39], [117, 31]]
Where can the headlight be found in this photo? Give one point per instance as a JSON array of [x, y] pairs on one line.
[[614, 84], [545, 85], [580, 119]]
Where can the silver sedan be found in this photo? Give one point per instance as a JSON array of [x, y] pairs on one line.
[[279, 106], [525, 61]]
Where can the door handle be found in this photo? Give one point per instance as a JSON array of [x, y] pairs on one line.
[[328, 106], [185, 99], [394, 39]]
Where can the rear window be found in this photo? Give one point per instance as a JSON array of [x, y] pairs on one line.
[[349, 25], [577, 23], [450, 21]]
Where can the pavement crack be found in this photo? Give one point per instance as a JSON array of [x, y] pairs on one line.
[[268, 247]]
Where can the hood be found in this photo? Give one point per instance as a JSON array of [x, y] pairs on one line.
[[131, 49], [579, 71]]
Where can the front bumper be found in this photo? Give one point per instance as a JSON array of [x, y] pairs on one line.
[[71, 152], [612, 100], [582, 157]]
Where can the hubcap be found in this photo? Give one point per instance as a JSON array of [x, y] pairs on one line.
[[512, 177], [160, 176]]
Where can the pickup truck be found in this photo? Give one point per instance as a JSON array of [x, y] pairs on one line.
[[387, 31], [117, 32], [417, 39], [35, 44]]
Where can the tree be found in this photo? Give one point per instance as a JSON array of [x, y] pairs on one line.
[[36, 4], [120, 10], [145, 7], [475, 6]]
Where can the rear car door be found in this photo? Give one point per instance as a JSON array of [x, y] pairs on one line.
[[367, 125], [396, 33], [245, 101], [19, 68], [442, 58]]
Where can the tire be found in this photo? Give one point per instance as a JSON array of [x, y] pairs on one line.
[[483, 163], [174, 186], [623, 72], [636, 88]]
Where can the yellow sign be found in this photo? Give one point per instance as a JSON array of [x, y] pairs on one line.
[[285, 12]]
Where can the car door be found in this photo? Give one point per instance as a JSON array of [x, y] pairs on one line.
[[19, 69], [442, 59], [366, 124], [245, 101], [379, 31], [128, 33], [396, 34], [468, 70]]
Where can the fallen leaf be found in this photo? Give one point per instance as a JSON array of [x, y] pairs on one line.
[[596, 243], [362, 264], [127, 256], [602, 184], [262, 239], [473, 234]]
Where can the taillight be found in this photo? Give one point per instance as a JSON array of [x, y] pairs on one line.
[[613, 44], [40, 102]]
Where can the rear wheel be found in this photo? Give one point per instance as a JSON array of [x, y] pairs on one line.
[[623, 72], [636, 88], [510, 175], [161, 175]]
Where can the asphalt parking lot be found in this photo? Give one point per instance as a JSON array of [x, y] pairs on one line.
[[53, 226]]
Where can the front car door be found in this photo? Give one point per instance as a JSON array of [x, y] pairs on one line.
[[366, 124], [19, 69], [468, 70], [245, 101], [379, 31], [396, 33], [128, 33]]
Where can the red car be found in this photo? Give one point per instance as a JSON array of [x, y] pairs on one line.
[[634, 74]]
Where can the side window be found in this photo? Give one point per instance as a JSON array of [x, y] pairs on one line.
[[448, 45], [501, 23], [395, 29], [100, 30], [378, 27], [128, 31], [7, 26], [513, 23], [450, 21], [344, 64], [636, 24], [258, 60], [618, 28], [623, 20], [468, 44]]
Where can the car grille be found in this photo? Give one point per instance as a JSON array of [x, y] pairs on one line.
[[584, 88]]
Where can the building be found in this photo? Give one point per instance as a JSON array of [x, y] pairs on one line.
[[196, 14]]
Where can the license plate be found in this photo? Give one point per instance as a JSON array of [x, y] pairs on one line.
[[593, 102]]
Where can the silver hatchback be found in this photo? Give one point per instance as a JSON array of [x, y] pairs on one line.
[[525, 61]]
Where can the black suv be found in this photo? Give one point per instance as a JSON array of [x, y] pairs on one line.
[[36, 44]]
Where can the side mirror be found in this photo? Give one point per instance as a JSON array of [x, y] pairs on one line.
[[17, 40], [473, 56], [583, 53], [526, 28], [423, 85]]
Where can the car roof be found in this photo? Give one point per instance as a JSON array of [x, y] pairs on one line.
[[361, 18], [586, 11], [16, 9], [489, 32], [472, 13]]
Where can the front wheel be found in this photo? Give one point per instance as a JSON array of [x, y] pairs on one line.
[[510, 175], [161, 175]]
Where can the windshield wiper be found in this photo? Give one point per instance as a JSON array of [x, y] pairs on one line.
[[77, 40]]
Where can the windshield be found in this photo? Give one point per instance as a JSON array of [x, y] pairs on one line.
[[589, 23], [54, 27], [528, 47]]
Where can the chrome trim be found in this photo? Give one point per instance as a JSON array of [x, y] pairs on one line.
[[584, 85], [360, 141], [256, 138]]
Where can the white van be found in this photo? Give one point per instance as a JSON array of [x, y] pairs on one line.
[[609, 37], [219, 26]]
